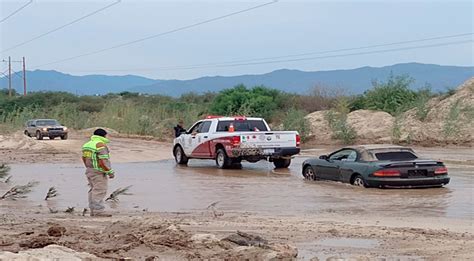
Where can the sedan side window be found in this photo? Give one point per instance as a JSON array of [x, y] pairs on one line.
[[352, 156], [345, 155]]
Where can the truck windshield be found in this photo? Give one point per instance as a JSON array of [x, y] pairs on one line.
[[395, 155], [47, 123], [242, 125]]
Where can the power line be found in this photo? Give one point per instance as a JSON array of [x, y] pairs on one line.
[[16, 74], [63, 26], [16, 11], [160, 34], [293, 60], [333, 51], [338, 55]]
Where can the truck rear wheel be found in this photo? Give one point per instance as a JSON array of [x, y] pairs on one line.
[[281, 163], [222, 160], [179, 156]]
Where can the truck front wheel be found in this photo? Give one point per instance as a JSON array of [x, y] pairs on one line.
[[281, 163], [222, 160], [179, 156]]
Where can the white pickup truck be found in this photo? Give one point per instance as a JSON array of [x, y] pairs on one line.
[[229, 140]]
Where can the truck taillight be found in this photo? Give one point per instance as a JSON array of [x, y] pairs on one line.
[[387, 173], [235, 140], [298, 140], [441, 171]]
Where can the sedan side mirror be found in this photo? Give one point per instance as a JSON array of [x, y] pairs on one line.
[[324, 157]]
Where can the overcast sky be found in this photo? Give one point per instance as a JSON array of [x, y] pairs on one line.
[[279, 29]]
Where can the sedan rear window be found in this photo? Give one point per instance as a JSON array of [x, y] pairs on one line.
[[395, 155], [245, 125]]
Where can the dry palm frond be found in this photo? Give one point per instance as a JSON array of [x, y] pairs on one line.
[[19, 191], [212, 208], [52, 192], [120, 191], [84, 211], [4, 170], [69, 210], [213, 205]]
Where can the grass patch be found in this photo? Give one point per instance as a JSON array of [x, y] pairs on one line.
[[451, 123]]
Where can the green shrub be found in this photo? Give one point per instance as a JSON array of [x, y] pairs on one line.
[[391, 96], [451, 123], [258, 101], [295, 120], [397, 129], [341, 129]]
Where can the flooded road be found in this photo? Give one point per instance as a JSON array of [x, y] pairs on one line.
[[163, 186]]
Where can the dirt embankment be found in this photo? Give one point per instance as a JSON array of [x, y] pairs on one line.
[[199, 236], [19, 148], [439, 121]]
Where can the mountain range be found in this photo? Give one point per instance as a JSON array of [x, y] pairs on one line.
[[355, 81]]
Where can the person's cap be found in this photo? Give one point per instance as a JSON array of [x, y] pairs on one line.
[[100, 132]]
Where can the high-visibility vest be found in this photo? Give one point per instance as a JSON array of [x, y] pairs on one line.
[[90, 151]]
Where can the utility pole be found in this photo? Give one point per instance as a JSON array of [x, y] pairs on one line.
[[9, 76], [10, 87], [24, 77]]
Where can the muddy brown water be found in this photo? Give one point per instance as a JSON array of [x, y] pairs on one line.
[[163, 186]]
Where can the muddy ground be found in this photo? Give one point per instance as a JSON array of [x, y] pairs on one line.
[[277, 213]]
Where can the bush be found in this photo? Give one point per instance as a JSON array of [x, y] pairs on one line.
[[451, 122], [295, 120], [391, 96], [258, 101], [341, 129]]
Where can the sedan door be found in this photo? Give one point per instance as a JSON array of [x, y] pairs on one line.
[[331, 168]]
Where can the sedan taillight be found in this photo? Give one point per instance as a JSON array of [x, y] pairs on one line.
[[441, 171], [387, 173]]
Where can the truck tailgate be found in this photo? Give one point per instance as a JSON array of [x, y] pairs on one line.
[[271, 139]]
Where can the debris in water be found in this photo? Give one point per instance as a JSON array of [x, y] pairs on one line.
[[117, 192], [84, 211], [56, 231], [246, 239], [53, 211], [70, 210], [4, 170], [212, 207], [19, 191], [52, 192]]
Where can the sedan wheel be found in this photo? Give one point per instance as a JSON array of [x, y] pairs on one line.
[[309, 174], [359, 181]]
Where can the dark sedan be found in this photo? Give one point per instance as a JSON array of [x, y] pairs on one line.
[[377, 166]]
